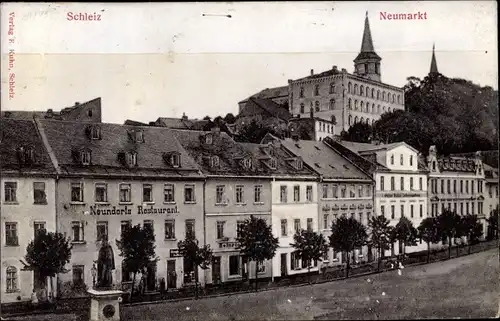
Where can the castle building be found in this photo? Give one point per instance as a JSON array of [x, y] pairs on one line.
[[346, 98]]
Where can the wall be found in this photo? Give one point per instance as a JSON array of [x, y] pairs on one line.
[[86, 253], [25, 213]]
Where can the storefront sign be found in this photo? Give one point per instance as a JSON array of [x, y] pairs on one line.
[[104, 210], [224, 245], [175, 253], [403, 194]]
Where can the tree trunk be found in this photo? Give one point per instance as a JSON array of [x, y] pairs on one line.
[[449, 247], [256, 274], [196, 283], [379, 259], [309, 273], [428, 250], [133, 284], [470, 244], [347, 267], [457, 249]]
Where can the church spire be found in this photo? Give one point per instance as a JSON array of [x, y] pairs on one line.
[[367, 42], [367, 63], [434, 67]]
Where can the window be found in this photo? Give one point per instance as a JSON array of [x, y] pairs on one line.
[[332, 88], [261, 268], [295, 263], [411, 183], [361, 90], [420, 183], [78, 274], [95, 131], [219, 194], [461, 186], [480, 208], [11, 234], [132, 159], [422, 210], [349, 88], [349, 103], [149, 224], [257, 194], [392, 159], [309, 224], [402, 210], [283, 194], [169, 229], [316, 90], [78, 231], [234, 265], [190, 229], [11, 279], [472, 205], [296, 193], [448, 186], [402, 183], [342, 191], [77, 192], [392, 184], [220, 229], [316, 104], [411, 211], [302, 109], [125, 193], [411, 160], [168, 193], [368, 217], [37, 227], [10, 192], [102, 231], [466, 186], [472, 187], [325, 221], [360, 191], [239, 194], [296, 225], [462, 208], [467, 208], [239, 228], [284, 227], [325, 190], [39, 195], [208, 139], [101, 192], [309, 193], [361, 218], [301, 94], [382, 187], [393, 212], [189, 196], [85, 157], [124, 225], [350, 120], [335, 191], [352, 191], [175, 160]]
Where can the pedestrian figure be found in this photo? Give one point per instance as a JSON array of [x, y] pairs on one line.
[[34, 299], [162, 287]]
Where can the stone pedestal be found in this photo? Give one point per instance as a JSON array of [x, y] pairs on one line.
[[104, 305]]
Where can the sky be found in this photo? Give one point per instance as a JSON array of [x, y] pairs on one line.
[[164, 59]]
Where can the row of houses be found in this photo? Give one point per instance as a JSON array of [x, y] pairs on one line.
[[90, 180]]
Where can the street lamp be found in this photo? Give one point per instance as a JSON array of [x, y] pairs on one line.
[[93, 271]]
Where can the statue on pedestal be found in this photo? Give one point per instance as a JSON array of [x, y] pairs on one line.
[[105, 266]]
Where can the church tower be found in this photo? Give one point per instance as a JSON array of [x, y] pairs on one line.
[[434, 67], [367, 63]]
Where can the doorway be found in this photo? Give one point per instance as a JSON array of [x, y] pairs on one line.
[[171, 275], [151, 277], [370, 254], [284, 267], [216, 279]]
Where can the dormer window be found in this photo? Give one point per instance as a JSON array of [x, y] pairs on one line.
[[137, 136], [26, 155], [214, 161], [434, 165], [175, 160], [299, 164], [85, 157], [209, 139], [247, 163], [273, 163], [132, 159]]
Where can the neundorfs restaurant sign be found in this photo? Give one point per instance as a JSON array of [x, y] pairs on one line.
[[141, 210]]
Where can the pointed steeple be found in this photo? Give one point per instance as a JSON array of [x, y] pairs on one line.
[[367, 63], [367, 42], [434, 67]]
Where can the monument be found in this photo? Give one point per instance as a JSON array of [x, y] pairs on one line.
[[104, 305]]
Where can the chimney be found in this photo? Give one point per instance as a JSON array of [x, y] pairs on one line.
[[290, 81], [77, 103], [335, 68], [49, 114], [344, 70], [312, 72], [184, 117]]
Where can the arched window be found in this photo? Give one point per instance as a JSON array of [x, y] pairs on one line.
[[378, 94], [389, 109], [362, 104], [11, 279], [393, 98], [383, 95], [349, 103], [373, 108], [324, 127], [367, 91], [355, 105], [368, 121], [392, 159], [367, 107], [384, 109], [356, 119], [373, 92], [301, 95], [317, 105], [302, 108], [350, 120], [332, 104], [334, 120], [356, 89], [361, 90], [373, 122], [362, 120], [349, 88], [399, 99], [332, 88], [378, 109], [316, 90]]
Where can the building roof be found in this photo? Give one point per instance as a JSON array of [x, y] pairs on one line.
[[270, 93], [489, 157], [68, 139], [367, 49], [266, 107], [370, 147], [434, 68], [456, 164], [134, 123], [20, 133], [324, 160], [490, 173], [181, 123]]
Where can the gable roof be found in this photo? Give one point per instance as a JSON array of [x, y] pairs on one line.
[[367, 147], [490, 157], [266, 107], [181, 123], [324, 160], [16, 133], [66, 138], [270, 93]]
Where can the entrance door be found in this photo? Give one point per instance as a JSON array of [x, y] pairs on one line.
[[171, 275], [216, 279], [151, 277], [284, 269]]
